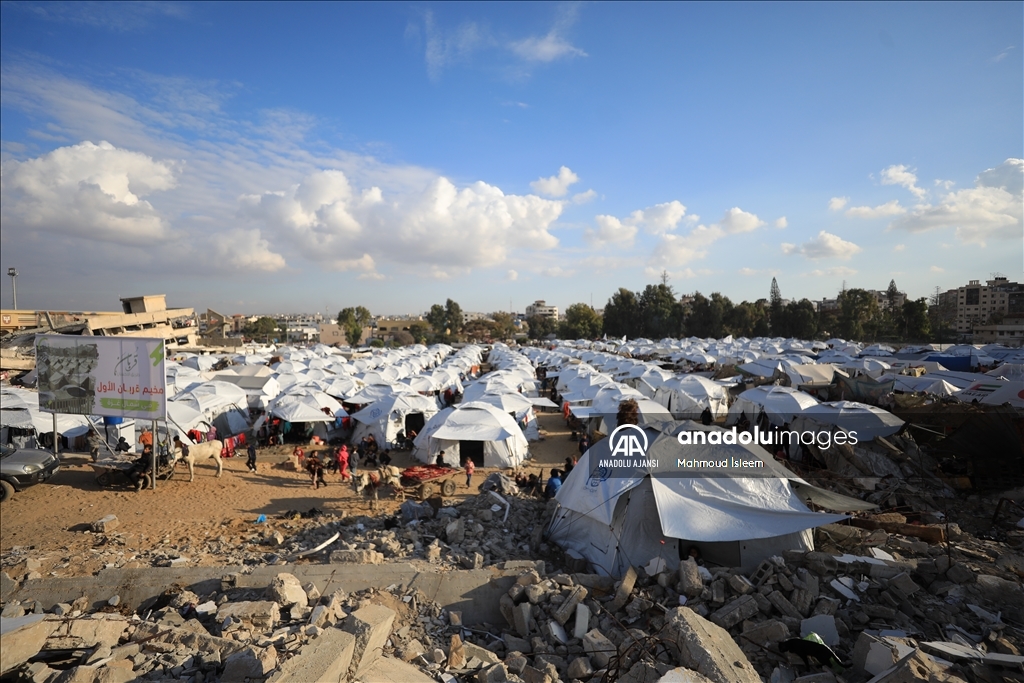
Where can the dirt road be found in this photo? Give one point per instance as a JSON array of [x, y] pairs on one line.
[[51, 518]]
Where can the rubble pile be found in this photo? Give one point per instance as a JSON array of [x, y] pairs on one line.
[[475, 533], [230, 635]]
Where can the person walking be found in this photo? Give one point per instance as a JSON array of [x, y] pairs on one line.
[[250, 461], [94, 445], [470, 469], [343, 463]]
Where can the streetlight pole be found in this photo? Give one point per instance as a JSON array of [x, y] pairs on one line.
[[13, 272]]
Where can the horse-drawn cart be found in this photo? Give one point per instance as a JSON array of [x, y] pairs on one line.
[[425, 480], [111, 471]]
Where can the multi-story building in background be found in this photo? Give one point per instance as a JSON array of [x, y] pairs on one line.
[[541, 308], [985, 304]]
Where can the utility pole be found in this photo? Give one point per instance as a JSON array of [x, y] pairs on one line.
[[13, 272]]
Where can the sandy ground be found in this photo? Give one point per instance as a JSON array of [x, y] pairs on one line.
[[50, 518]]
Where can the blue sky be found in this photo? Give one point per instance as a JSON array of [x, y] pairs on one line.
[[301, 157]]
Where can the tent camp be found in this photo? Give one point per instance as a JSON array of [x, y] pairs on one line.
[[383, 419], [780, 404], [475, 430], [620, 516], [688, 395]]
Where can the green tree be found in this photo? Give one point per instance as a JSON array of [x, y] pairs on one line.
[[438, 319], [581, 322], [403, 338], [622, 314], [661, 314], [353, 320], [801, 319], [420, 332], [453, 312], [776, 312], [707, 315], [541, 326], [858, 314], [504, 324], [261, 327], [915, 318]]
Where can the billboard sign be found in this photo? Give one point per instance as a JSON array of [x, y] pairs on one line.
[[110, 376]]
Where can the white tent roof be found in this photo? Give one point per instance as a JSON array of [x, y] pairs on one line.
[[867, 421]]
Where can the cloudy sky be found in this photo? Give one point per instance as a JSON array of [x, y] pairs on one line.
[[287, 157]]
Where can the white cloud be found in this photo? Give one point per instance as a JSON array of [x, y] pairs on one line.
[[583, 197], [899, 174], [990, 210], [245, 250], [553, 45], [751, 272], [738, 221], [837, 203], [88, 190], [611, 230], [441, 225], [1002, 55], [660, 218], [673, 250], [557, 271], [937, 269], [445, 48], [837, 271], [512, 275], [825, 245], [545, 48], [899, 247], [890, 208], [781, 223], [655, 220], [556, 185]]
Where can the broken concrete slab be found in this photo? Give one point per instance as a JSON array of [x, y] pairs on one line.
[[690, 582], [356, 557], [22, 638], [599, 648], [88, 632], [249, 664], [624, 591], [105, 524], [286, 591], [734, 612], [389, 670], [873, 654], [325, 658], [260, 614], [371, 626], [708, 648], [824, 625], [683, 675]]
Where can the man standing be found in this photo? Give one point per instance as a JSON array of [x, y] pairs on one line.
[[251, 460], [94, 445]]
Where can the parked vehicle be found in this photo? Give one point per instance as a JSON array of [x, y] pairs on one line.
[[23, 467]]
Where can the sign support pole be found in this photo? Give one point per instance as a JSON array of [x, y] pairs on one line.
[[152, 453], [56, 454]]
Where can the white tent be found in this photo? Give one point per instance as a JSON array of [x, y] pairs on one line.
[[780, 404], [994, 392], [618, 517], [222, 404], [521, 406], [476, 430], [383, 419], [866, 421], [689, 395]]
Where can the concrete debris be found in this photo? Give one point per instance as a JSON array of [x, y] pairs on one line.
[[888, 604]]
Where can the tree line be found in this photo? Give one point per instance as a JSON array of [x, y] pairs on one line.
[[658, 312]]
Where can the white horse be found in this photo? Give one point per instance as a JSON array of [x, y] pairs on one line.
[[200, 451]]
